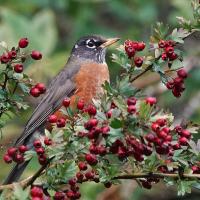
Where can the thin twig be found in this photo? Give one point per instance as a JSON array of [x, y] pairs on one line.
[[155, 175]]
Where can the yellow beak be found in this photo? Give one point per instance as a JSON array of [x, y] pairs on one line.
[[109, 42]]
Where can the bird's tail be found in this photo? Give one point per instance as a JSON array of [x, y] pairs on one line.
[[16, 172]]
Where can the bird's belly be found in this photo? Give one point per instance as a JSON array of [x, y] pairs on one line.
[[89, 82]]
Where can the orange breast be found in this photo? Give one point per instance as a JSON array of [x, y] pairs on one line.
[[89, 82]]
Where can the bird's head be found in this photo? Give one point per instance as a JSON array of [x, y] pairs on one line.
[[92, 47]]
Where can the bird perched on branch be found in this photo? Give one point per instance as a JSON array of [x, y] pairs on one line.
[[81, 78]]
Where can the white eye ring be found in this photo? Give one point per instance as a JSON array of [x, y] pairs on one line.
[[91, 43]]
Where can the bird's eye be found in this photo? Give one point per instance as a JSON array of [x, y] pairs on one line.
[[90, 44]]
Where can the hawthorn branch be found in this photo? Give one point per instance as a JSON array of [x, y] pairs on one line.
[[28, 181]]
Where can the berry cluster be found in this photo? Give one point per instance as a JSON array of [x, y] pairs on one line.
[[15, 154], [40, 150], [14, 54], [131, 47], [37, 90], [168, 53], [177, 84]]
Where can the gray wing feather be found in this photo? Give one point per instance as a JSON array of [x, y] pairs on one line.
[[60, 87]]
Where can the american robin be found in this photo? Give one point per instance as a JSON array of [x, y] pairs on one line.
[[82, 77]]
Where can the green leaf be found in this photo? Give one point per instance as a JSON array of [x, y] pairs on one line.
[[184, 187], [126, 89], [24, 88], [144, 111], [114, 134], [116, 123], [19, 193], [67, 170]]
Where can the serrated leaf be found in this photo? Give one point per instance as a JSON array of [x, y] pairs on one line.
[[114, 134], [19, 193]]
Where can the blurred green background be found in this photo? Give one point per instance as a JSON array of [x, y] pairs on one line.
[[53, 26]]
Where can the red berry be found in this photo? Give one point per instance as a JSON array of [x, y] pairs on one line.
[[79, 176], [89, 175], [183, 141], [12, 54], [182, 73], [41, 87], [164, 56], [168, 138], [36, 55], [42, 159], [173, 56], [186, 133], [151, 100], [155, 127], [140, 46], [59, 196], [72, 182], [161, 43], [47, 141], [161, 134], [178, 81], [176, 93], [130, 51], [195, 169], [35, 92], [36, 192], [23, 148], [131, 109], [131, 101], [52, 119], [18, 158], [121, 153], [93, 149], [105, 130], [170, 84], [109, 114], [80, 104], [102, 150], [18, 68], [150, 137], [161, 122], [70, 194], [178, 129], [82, 166], [37, 143], [61, 123], [166, 130], [91, 110], [176, 146], [7, 159], [162, 149], [12, 151], [66, 102], [138, 61], [5, 58], [40, 150], [23, 42], [91, 159], [169, 50], [91, 123], [170, 43]]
